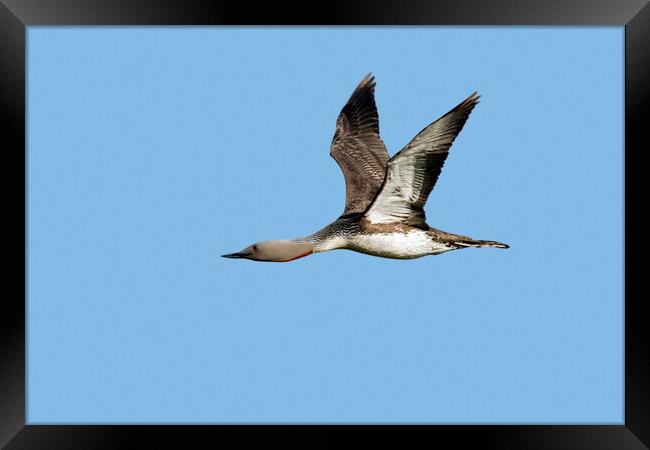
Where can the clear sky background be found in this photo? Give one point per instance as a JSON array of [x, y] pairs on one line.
[[152, 151]]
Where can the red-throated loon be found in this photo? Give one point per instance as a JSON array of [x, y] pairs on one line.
[[384, 197]]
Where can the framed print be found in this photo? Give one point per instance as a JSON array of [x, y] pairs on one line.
[[155, 139]]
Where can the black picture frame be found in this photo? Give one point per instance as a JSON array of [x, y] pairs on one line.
[[16, 15]]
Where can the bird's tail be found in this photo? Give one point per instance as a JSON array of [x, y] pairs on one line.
[[475, 243]]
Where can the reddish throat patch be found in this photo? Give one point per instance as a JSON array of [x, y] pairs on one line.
[[300, 256]]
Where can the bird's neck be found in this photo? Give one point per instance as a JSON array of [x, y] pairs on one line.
[[289, 250]]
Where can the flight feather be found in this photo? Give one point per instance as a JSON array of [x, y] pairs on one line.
[[358, 149], [412, 173]]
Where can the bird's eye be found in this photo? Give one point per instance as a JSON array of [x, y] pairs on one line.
[[254, 248]]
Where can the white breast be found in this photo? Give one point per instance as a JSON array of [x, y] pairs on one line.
[[397, 245]]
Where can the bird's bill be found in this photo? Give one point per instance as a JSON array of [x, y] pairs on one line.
[[237, 255]]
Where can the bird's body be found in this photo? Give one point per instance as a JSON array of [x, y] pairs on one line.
[[384, 208], [407, 244], [396, 240]]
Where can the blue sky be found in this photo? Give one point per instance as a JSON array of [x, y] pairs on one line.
[[152, 151]]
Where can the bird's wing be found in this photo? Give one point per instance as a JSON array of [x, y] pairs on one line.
[[358, 149], [412, 173]]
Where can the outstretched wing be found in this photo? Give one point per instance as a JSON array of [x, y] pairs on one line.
[[358, 149], [412, 173]]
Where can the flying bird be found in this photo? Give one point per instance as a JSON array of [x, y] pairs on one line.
[[384, 198]]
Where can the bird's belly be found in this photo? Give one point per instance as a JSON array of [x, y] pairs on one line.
[[397, 245]]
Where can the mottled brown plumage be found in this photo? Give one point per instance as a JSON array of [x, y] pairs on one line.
[[358, 149]]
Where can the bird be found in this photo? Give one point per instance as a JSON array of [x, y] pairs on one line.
[[384, 197]]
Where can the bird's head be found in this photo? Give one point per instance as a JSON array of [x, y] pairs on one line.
[[274, 251]]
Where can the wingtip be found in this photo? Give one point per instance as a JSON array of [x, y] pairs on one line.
[[367, 84], [470, 101], [367, 81]]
